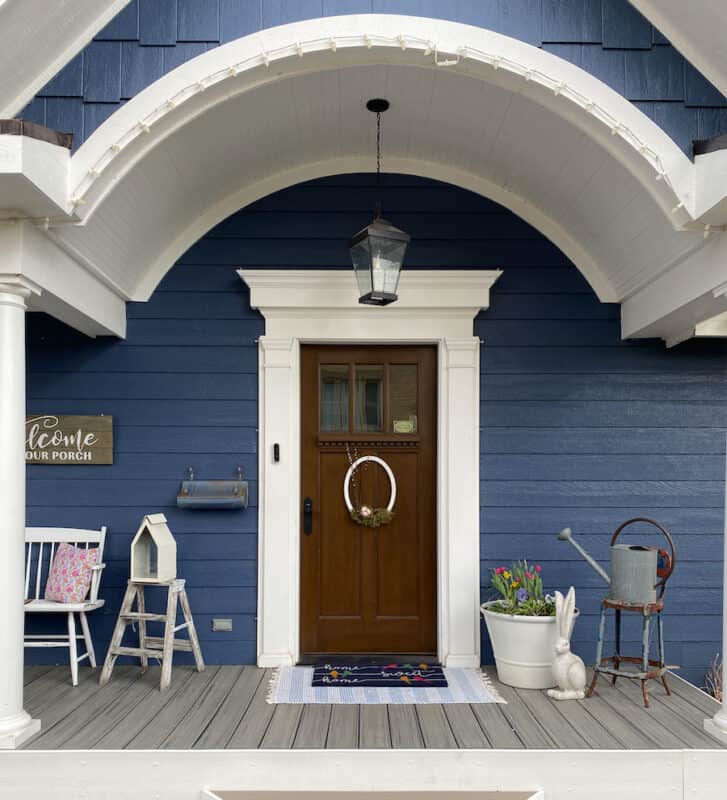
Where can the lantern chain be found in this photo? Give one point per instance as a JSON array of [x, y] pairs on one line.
[[378, 163]]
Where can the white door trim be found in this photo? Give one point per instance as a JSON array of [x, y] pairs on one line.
[[321, 306]]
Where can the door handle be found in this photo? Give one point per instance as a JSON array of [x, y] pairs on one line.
[[307, 516]]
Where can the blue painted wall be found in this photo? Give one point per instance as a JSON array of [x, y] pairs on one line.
[[578, 427], [608, 38]]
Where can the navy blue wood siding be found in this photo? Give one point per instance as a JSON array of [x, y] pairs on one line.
[[607, 38], [578, 427]]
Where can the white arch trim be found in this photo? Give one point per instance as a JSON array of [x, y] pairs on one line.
[[135, 137], [470, 107]]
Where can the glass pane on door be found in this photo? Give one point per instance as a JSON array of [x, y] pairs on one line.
[[334, 395], [369, 398], [403, 380]]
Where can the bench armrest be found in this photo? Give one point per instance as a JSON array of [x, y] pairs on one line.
[[96, 570]]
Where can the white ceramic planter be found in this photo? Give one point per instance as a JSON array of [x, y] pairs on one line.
[[524, 648]]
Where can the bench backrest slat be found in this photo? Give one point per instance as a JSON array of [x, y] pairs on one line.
[[40, 558]]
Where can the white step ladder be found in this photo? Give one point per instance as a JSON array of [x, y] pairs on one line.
[[160, 647]]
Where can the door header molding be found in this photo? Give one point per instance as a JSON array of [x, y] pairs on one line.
[[297, 303], [321, 306]]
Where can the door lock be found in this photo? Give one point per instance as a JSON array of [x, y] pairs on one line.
[[307, 516]]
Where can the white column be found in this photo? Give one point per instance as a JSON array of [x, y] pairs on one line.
[[459, 502], [717, 726], [278, 504], [15, 724]]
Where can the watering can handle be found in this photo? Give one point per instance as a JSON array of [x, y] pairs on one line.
[[671, 557]]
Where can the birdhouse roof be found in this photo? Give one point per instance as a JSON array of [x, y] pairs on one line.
[[156, 526]]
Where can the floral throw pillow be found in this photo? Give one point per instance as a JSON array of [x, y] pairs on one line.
[[69, 578]]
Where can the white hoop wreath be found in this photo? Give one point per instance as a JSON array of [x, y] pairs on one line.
[[366, 516]]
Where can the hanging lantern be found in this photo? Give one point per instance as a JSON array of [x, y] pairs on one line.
[[377, 251]]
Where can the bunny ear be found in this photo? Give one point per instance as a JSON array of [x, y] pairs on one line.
[[570, 605], [558, 604]]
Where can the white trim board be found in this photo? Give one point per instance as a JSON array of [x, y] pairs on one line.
[[184, 774], [321, 306]]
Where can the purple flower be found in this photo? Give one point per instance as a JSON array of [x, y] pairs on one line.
[[522, 595]]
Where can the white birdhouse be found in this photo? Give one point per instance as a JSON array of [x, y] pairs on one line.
[[153, 551]]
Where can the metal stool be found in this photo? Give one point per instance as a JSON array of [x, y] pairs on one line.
[[650, 668]]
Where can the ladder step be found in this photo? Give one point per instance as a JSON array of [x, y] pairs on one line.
[[135, 651], [179, 644], [145, 616]]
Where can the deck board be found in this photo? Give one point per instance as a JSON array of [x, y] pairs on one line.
[[226, 707], [343, 728], [147, 712], [435, 728], [251, 729], [313, 729], [465, 727], [374, 732], [221, 728], [404, 727], [172, 714], [203, 710]]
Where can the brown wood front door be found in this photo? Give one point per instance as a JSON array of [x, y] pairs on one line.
[[368, 590]]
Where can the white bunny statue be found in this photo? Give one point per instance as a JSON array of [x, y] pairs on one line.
[[569, 670]]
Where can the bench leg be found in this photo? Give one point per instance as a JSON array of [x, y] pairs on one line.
[[87, 639], [73, 652]]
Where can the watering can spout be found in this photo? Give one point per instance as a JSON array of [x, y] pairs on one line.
[[566, 535]]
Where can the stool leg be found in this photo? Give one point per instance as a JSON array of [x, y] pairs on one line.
[[599, 653], [118, 635], [645, 659], [168, 648], [617, 654], [191, 630], [662, 657], [141, 605]]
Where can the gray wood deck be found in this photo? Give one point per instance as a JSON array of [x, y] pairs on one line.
[[225, 707]]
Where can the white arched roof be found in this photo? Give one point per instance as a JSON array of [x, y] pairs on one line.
[[469, 106]]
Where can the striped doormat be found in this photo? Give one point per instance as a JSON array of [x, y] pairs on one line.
[[295, 685]]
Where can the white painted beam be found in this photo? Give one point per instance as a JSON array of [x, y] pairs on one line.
[[697, 30], [674, 304], [69, 290], [38, 38], [33, 177]]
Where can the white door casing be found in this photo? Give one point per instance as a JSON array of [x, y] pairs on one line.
[[321, 306]]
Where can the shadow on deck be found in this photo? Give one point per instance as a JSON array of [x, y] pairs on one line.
[[226, 708]]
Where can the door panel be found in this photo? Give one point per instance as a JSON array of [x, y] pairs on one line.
[[369, 590]]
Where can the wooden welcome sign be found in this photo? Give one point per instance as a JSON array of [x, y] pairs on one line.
[[64, 439]]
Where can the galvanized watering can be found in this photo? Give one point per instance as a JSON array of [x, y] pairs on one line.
[[637, 572]]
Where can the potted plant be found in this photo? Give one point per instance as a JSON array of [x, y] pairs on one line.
[[522, 627]]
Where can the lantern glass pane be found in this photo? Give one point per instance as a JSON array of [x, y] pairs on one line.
[[361, 259], [387, 256]]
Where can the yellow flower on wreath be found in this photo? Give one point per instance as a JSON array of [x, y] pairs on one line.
[[506, 575]]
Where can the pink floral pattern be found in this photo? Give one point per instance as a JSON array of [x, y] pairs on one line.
[[69, 578]]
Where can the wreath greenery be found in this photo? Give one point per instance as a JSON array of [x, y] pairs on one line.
[[371, 517]]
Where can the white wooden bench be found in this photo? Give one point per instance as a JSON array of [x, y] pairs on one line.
[[40, 549]]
